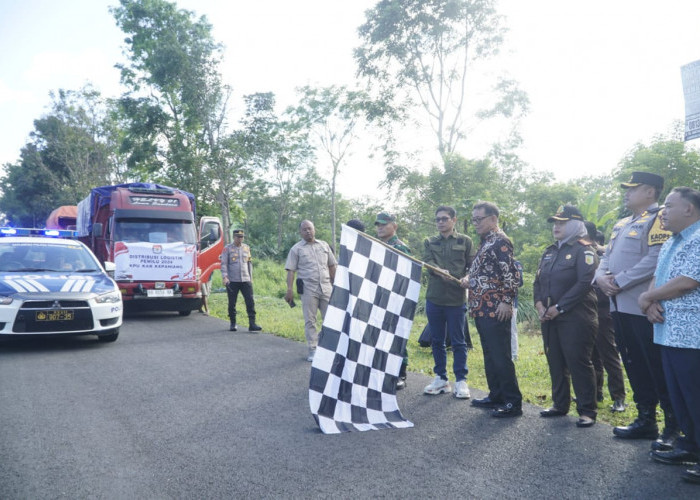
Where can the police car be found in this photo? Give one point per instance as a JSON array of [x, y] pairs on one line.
[[52, 285]]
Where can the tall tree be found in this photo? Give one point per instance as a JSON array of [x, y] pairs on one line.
[[424, 50], [333, 115], [173, 80]]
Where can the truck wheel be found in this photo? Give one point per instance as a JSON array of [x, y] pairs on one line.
[[184, 313], [109, 337]]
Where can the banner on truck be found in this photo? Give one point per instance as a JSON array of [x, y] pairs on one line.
[[154, 261], [690, 75]]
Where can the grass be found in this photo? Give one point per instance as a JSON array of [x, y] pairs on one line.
[[273, 313]]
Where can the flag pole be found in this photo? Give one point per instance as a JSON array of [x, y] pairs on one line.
[[436, 270]]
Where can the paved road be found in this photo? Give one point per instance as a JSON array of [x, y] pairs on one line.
[[182, 408]]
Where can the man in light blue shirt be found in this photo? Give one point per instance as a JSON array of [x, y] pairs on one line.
[[672, 303]]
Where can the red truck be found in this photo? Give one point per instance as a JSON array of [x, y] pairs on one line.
[[148, 232]]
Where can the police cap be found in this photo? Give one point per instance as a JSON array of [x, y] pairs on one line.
[[639, 178], [566, 212]]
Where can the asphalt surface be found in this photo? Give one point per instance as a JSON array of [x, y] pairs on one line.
[[183, 408]]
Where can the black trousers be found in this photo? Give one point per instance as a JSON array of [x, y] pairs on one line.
[[246, 289], [498, 362], [606, 357], [568, 344], [642, 359], [682, 371]]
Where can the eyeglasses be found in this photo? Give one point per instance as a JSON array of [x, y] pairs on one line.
[[441, 219], [477, 220]]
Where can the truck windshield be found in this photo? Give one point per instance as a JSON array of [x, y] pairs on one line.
[[161, 231]]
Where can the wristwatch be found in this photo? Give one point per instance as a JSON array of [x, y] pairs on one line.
[[559, 308]]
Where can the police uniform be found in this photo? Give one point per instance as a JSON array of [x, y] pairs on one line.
[[237, 268], [563, 280], [631, 257]]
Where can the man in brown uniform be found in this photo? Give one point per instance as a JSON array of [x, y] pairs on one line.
[[315, 263]]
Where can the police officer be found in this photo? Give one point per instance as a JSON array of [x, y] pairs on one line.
[[566, 303], [385, 226], [625, 272], [237, 275]]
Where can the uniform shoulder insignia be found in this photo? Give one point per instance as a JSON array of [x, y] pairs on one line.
[[434, 239], [652, 211], [657, 235], [622, 222], [585, 242]]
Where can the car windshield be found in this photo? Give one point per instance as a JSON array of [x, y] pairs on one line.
[[45, 257]]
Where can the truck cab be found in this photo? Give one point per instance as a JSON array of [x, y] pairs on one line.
[[150, 234]]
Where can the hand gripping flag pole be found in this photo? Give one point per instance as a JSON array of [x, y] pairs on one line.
[[352, 386]]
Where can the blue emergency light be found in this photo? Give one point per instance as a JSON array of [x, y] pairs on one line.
[[51, 233]]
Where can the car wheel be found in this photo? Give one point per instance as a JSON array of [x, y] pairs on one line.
[[109, 337], [184, 313]]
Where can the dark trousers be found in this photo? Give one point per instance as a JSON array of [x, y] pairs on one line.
[[642, 359], [606, 356], [682, 372], [443, 321], [246, 289], [568, 344], [498, 361]]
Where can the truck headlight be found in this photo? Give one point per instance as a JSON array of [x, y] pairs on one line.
[[108, 298]]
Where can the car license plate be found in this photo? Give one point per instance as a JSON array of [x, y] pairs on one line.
[[160, 293], [60, 315]]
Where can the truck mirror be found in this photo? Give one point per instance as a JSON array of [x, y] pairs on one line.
[[110, 267]]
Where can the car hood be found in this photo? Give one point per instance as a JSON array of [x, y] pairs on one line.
[[41, 283]]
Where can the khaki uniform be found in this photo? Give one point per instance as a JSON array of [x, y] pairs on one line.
[[311, 262]]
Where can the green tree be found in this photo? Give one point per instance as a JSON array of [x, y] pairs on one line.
[[333, 115], [174, 82], [666, 155], [423, 51]]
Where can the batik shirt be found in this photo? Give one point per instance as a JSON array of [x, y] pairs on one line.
[[680, 256], [493, 276]]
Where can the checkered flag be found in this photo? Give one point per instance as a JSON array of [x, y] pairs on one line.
[[365, 330]]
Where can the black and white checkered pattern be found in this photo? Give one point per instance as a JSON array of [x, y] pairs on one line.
[[365, 330]]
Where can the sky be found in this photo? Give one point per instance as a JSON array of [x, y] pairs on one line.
[[601, 75]]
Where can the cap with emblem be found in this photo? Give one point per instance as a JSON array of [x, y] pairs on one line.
[[238, 232], [384, 218], [566, 212], [639, 178]]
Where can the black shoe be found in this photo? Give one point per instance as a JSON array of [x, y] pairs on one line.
[[254, 328], [486, 402], [692, 475], [506, 411], [552, 412], [232, 327], [674, 457], [639, 429], [585, 421], [600, 397], [401, 383], [665, 441]]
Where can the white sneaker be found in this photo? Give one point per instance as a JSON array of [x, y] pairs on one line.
[[461, 390], [310, 357], [437, 386]]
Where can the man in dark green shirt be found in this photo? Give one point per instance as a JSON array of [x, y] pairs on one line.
[[386, 226], [445, 305]]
